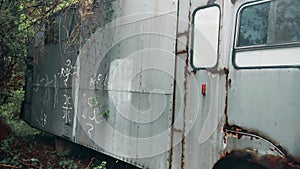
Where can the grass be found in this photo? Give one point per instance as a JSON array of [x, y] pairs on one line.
[[26, 147]]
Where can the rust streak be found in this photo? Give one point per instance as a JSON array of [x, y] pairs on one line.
[[181, 52], [239, 132], [186, 73], [186, 33], [226, 71], [178, 130], [226, 104], [217, 71]]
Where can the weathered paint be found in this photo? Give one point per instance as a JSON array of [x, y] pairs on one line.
[[262, 102], [129, 91]]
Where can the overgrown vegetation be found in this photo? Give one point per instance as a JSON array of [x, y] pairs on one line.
[[22, 146], [18, 23], [25, 147], [16, 20]]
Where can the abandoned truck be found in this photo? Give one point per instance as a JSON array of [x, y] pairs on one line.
[[172, 84]]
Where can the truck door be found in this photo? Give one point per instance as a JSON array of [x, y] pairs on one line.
[[264, 75]]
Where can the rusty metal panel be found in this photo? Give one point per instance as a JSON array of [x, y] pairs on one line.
[[203, 114], [264, 102], [263, 105], [258, 145], [279, 111]]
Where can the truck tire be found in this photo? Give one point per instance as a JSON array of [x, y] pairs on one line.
[[233, 163]]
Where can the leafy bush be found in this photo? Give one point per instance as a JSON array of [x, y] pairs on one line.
[[10, 114]]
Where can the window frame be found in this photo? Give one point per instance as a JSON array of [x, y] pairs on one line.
[[256, 47], [192, 38]]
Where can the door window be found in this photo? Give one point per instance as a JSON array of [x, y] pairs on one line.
[[268, 34]]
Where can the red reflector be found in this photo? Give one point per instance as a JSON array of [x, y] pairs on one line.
[[203, 89]]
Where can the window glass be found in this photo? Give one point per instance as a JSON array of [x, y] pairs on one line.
[[205, 37], [253, 25], [274, 22], [285, 21]]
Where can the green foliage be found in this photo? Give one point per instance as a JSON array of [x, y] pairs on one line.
[[12, 49], [95, 102], [5, 146], [67, 163], [101, 166], [17, 20], [105, 113], [10, 114]]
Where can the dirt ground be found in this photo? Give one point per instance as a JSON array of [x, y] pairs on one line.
[[37, 150]]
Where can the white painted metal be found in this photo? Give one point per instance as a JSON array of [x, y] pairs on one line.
[[132, 91], [268, 57]]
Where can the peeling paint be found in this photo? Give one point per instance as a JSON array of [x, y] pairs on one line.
[[270, 161], [226, 97], [211, 2], [185, 83], [179, 34], [223, 71], [238, 132]]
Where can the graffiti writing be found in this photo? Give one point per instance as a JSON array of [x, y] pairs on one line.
[[94, 104], [91, 128], [43, 82], [95, 80], [67, 71], [55, 91], [41, 118], [91, 111], [67, 108]]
